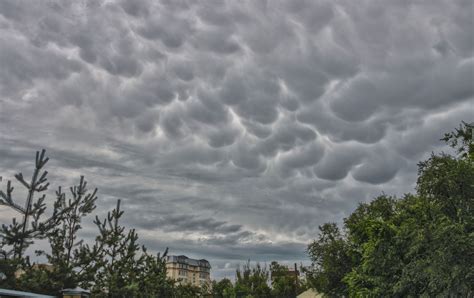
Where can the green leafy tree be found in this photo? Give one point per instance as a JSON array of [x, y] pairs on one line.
[[462, 140], [284, 281], [186, 290], [418, 245], [252, 282], [372, 235], [223, 289], [331, 261], [444, 263]]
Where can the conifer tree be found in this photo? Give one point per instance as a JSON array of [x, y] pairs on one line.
[[153, 281], [17, 236], [118, 251], [64, 256], [113, 266]]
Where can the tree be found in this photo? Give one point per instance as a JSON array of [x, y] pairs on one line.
[[185, 290], [7, 274], [462, 140], [284, 281], [222, 289], [17, 236], [152, 279], [113, 266], [437, 256], [252, 282], [119, 263], [444, 264], [418, 245], [65, 270], [330, 261], [372, 235]]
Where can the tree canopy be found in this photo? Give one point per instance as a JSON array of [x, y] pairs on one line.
[[417, 245]]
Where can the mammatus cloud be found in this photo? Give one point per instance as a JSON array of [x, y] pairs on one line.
[[231, 130]]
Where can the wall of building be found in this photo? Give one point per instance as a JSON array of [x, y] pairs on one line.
[[185, 270]]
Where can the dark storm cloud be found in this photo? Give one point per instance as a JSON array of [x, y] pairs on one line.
[[181, 223], [231, 130]]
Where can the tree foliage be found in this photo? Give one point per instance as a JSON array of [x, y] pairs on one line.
[[122, 267], [331, 261], [115, 265], [223, 289], [418, 245], [17, 236], [67, 266], [284, 282], [252, 281]]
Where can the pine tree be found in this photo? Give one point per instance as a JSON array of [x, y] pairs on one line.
[[17, 236], [152, 280], [67, 265], [118, 250], [113, 266]]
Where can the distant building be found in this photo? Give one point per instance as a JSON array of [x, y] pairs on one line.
[[292, 273], [311, 293], [47, 267], [5, 293], [186, 270]]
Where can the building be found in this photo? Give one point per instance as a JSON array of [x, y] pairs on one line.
[[186, 270], [47, 267], [311, 293], [5, 293], [292, 273]]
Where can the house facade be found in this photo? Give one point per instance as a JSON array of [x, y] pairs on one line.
[[187, 270]]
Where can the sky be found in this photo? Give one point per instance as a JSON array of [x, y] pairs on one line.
[[230, 130]]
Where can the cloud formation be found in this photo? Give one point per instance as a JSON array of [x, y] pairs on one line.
[[231, 130]]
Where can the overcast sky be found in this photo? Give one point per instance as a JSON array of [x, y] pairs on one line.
[[231, 129]]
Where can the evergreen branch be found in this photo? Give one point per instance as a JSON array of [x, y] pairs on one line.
[[20, 179], [7, 199]]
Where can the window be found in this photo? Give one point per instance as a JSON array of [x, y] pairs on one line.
[[203, 275]]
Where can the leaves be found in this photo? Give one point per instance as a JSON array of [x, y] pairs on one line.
[[462, 139], [331, 261], [418, 245], [252, 281], [222, 289]]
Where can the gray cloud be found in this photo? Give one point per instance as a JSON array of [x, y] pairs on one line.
[[231, 130]]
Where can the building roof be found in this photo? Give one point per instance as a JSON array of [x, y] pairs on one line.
[[76, 290], [188, 261], [12, 293], [310, 294]]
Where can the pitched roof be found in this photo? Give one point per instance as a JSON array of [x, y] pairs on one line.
[[182, 259]]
